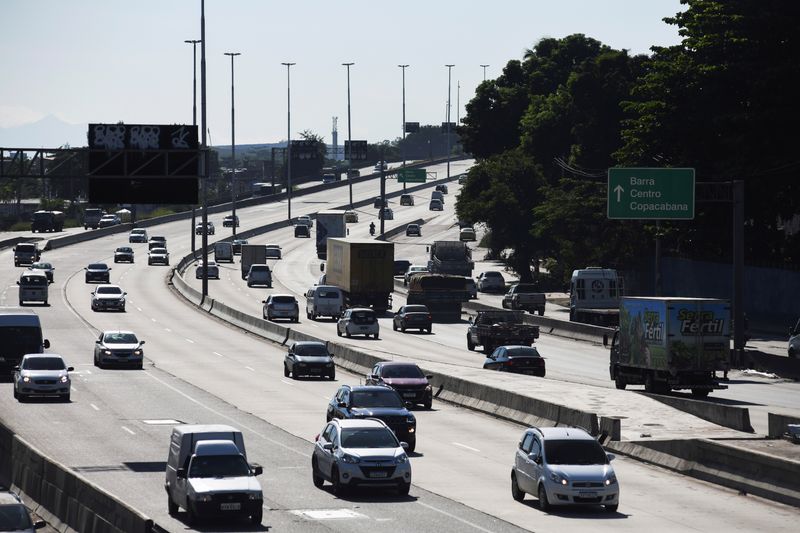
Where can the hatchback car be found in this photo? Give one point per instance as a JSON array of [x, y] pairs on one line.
[[210, 268], [406, 199], [436, 205], [41, 375], [158, 256], [14, 516], [160, 239], [358, 321], [228, 221], [302, 231], [378, 401], [118, 348], [406, 378], [516, 359], [348, 453], [414, 269], [413, 317], [563, 466], [466, 235], [491, 281], [237, 246], [45, 267], [97, 272], [259, 274], [309, 358], [274, 251], [377, 203], [413, 229], [281, 306], [108, 298], [137, 235], [350, 216], [123, 253], [304, 220], [381, 165], [108, 221]]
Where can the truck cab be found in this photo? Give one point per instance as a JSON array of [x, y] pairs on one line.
[[594, 295]]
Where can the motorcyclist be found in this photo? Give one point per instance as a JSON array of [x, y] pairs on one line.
[[372, 228]]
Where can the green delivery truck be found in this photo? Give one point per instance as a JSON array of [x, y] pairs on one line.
[[671, 344]]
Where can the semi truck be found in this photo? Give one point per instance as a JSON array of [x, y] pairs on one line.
[[330, 223], [671, 344], [594, 296], [442, 294], [363, 269], [450, 257], [47, 221], [252, 254]]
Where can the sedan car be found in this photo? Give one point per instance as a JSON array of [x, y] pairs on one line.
[[228, 221], [414, 269], [305, 220], [309, 358], [237, 246], [118, 348], [281, 306], [98, 272], [159, 239], [381, 165], [42, 375], [123, 253], [108, 221], [442, 188], [413, 229], [209, 267], [209, 228], [563, 466], [472, 287], [413, 317], [348, 453], [491, 281], [137, 235], [108, 297], [45, 267], [158, 256], [516, 359], [14, 516], [358, 321], [406, 378]]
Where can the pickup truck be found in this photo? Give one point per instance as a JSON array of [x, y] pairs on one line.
[[525, 296], [491, 329]]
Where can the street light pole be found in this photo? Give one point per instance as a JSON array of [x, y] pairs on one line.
[[404, 119], [204, 128], [233, 147], [288, 140], [484, 71], [349, 136], [449, 70], [194, 42]]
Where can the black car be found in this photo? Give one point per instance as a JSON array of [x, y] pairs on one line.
[[377, 203], [237, 246], [309, 358], [228, 221], [413, 317], [375, 401], [123, 253], [301, 231], [401, 267], [406, 378], [99, 272], [442, 188], [517, 359]]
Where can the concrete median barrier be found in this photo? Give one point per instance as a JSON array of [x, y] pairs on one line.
[[729, 416], [778, 424]]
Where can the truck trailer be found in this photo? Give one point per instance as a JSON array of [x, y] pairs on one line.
[[450, 257], [671, 344], [330, 223], [440, 293], [363, 269], [252, 254]]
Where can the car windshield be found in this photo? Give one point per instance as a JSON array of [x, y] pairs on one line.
[[497, 275], [368, 438], [98, 266], [363, 317], [120, 338], [416, 309], [311, 349], [376, 398], [125, 250], [41, 266], [218, 466], [156, 251], [33, 280], [259, 268], [418, 269], [528, 288], [109, 290], [328, 293], [283, 300], [574, 452], [14, 517], [44, 363], [402, 371], [522, 351]]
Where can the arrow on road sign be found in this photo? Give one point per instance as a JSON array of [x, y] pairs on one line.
[[619, 190]]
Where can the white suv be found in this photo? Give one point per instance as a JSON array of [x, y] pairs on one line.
[[563, 466]]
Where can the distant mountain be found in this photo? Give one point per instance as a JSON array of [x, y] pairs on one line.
[[49, 132]]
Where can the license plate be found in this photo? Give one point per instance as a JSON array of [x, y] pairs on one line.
[[315, 370], [587, 494], [363, 328], [379, 473], [408, 395], [230, 506]]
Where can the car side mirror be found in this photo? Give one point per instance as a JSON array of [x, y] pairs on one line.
[[263, 301], [257, 469], [46, 343], [97, 342], [535, 457], [16, 368], [39, 524], [141, 342], [341, 404], [327, 446], [611, 456], [322, 267], [70, 369], [18, 283], [109, 268], [181, 473], [409, 405], [404, 445], [428, 376]]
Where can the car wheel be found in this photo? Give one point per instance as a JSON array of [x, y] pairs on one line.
[[285, 371], [332, 377], [376, 336], [347, 332], [249, 285], [65, 398], [394, 326], [428, 404], [470, 346], [122, 309], [412, 445], [191, 518], [257, 517], [264, 315], [338, 331], [700, 393], [516, 493], [16, 395], [140, 366], [792, 353], [403, 328], [403, 488], [316, 477], [308, 315], [338, 488], [619, 381], [544, 505], [430, 329], [612, 508], [172, 507]]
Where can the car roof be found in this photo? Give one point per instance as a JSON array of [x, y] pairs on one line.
[[361, 309], [107, 285], [112, 331], [368, 388], [562, 433], [9, 498], [42, 356], [309, 343], [397, 363], [284, 295], [358, 423]]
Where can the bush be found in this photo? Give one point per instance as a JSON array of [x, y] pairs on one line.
[[20, 226]]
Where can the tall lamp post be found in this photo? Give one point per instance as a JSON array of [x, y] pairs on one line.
[[194, 42], [233, 147], [404, 118], [288, 139], [204, 146], [449, 70], [349, 136], [484, 71]]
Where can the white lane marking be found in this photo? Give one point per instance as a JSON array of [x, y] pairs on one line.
[[250, 369], [287, 382], [73, 389], [190, 341], [168, 330], [138, 308], [465, 447], [94, 407], [454, 517], [128, 430], [219, 354], [154, 320], [88, 371]]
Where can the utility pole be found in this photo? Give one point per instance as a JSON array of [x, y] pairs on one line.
[[349, 136], [233, 147], [288, 140], [194, 42], [449, 70], [484, 71], [404, 122], [204, 162]]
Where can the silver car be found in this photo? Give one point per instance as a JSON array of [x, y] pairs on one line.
[[358, 321], [108, 297], [273, 251], [281, 306], [42, 375], [118, 348], [563, 466], [158, 256], [355, 452], [14, 516], [491, 281], [210, 267]]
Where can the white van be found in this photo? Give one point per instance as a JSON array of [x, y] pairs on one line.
[[20, 334], [33, 287], [206, 462], [324, 300], [437, 195], [223, 252]]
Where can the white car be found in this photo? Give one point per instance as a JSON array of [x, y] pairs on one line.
[[210, 267], [42, 375], [281, 306], [491, 281], [358, 321], [109, 220], [138, 235], [118, 347], [158, 256], [414, 269], [305, 220], [360, 452], [108, 298], [273, 251], [563, 466]]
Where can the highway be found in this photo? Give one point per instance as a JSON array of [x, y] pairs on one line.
[[200, 370]]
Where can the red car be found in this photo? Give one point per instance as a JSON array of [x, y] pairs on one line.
[[406, 378]]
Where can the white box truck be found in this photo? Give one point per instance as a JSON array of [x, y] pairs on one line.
[[330, 223]]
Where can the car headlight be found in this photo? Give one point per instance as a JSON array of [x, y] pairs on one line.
[[400, 459], [350, 459], [556, 478], [428, 387], [610, 480], [26, 379], [255, 496], [106, 352], [137, 352], [203, 498], [64, 379]]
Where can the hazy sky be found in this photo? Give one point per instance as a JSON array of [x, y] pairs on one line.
[[110, 60]]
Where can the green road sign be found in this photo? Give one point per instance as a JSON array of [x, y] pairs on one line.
[[411, 175], [651, 193]]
